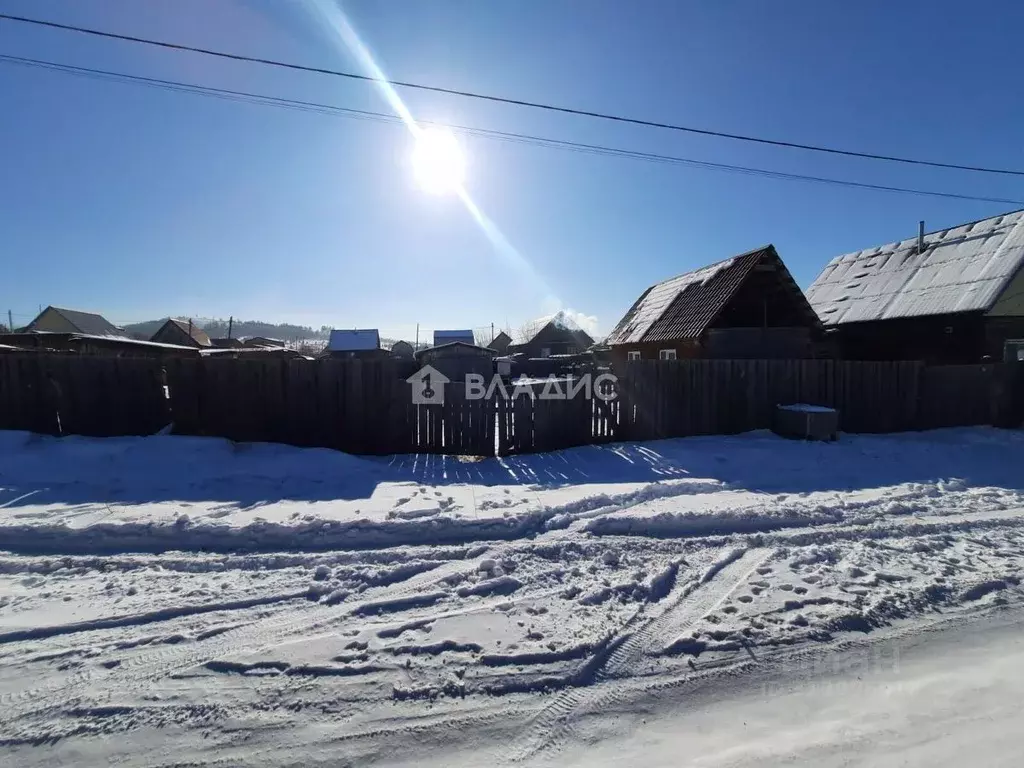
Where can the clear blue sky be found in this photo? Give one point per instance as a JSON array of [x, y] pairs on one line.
[[140, 203]]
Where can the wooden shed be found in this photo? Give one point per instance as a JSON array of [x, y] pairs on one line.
[[457, 359]]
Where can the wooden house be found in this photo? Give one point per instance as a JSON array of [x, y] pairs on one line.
[[183, 333], [57, 320], [500, 343], [746, 307], [558, 335], [356, 344], [952, 296], [403, 350]]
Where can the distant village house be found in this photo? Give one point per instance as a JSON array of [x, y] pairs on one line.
[[226, 343], [449, 337], [57, 320], [500, 343], [262, 342], [403, 350], [558, 336], [181, 332], [356, 344]]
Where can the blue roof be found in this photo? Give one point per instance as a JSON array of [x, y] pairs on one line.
[[353, 340], [446, 337]]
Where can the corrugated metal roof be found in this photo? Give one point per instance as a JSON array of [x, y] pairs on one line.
[[353, 340], [445, 337], [87, 322], [684, 306], [963, 269]]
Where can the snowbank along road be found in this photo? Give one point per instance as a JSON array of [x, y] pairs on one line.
[[181, 601]]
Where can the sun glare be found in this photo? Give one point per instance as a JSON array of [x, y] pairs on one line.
[[438, 162]]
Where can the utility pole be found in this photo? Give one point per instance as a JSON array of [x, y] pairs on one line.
[[190, 327], [417, 336], [231, 322], [10, 322], [492, 333]]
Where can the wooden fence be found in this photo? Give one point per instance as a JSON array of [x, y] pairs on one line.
[[365, 407]]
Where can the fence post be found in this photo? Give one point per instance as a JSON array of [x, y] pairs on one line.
[[1007, 395]]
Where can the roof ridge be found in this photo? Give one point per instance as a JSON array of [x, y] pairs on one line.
[[932, 232], [77, 311], [712, 264], [727, 295]]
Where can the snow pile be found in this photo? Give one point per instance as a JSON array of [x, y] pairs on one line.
[[87, 496]]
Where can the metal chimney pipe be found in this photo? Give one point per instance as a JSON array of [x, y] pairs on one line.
[[920, 237]]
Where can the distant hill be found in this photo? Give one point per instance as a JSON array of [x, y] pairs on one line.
[[219, 328]]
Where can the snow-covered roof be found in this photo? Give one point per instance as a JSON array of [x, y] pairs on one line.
[[684, 307], [658, 299], [963, 269], [353, 340]]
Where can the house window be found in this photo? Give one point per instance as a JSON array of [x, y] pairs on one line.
[[633, 355], [667, 354], [545, 351]]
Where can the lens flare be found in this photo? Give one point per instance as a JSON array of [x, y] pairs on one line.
[[438, 162]]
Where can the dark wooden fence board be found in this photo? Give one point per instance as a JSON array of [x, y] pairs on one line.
[[366, 407]]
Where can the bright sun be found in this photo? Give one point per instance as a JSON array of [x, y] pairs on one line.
[[438, 162]]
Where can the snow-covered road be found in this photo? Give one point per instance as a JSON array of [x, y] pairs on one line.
[[185, 601]]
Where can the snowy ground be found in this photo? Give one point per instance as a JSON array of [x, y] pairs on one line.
[[187, 601]]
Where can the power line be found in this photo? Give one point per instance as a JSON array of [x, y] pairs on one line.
[[506, 100], [519, 138]]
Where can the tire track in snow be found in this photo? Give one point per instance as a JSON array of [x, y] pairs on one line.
[[696, 599], [139, 669]]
